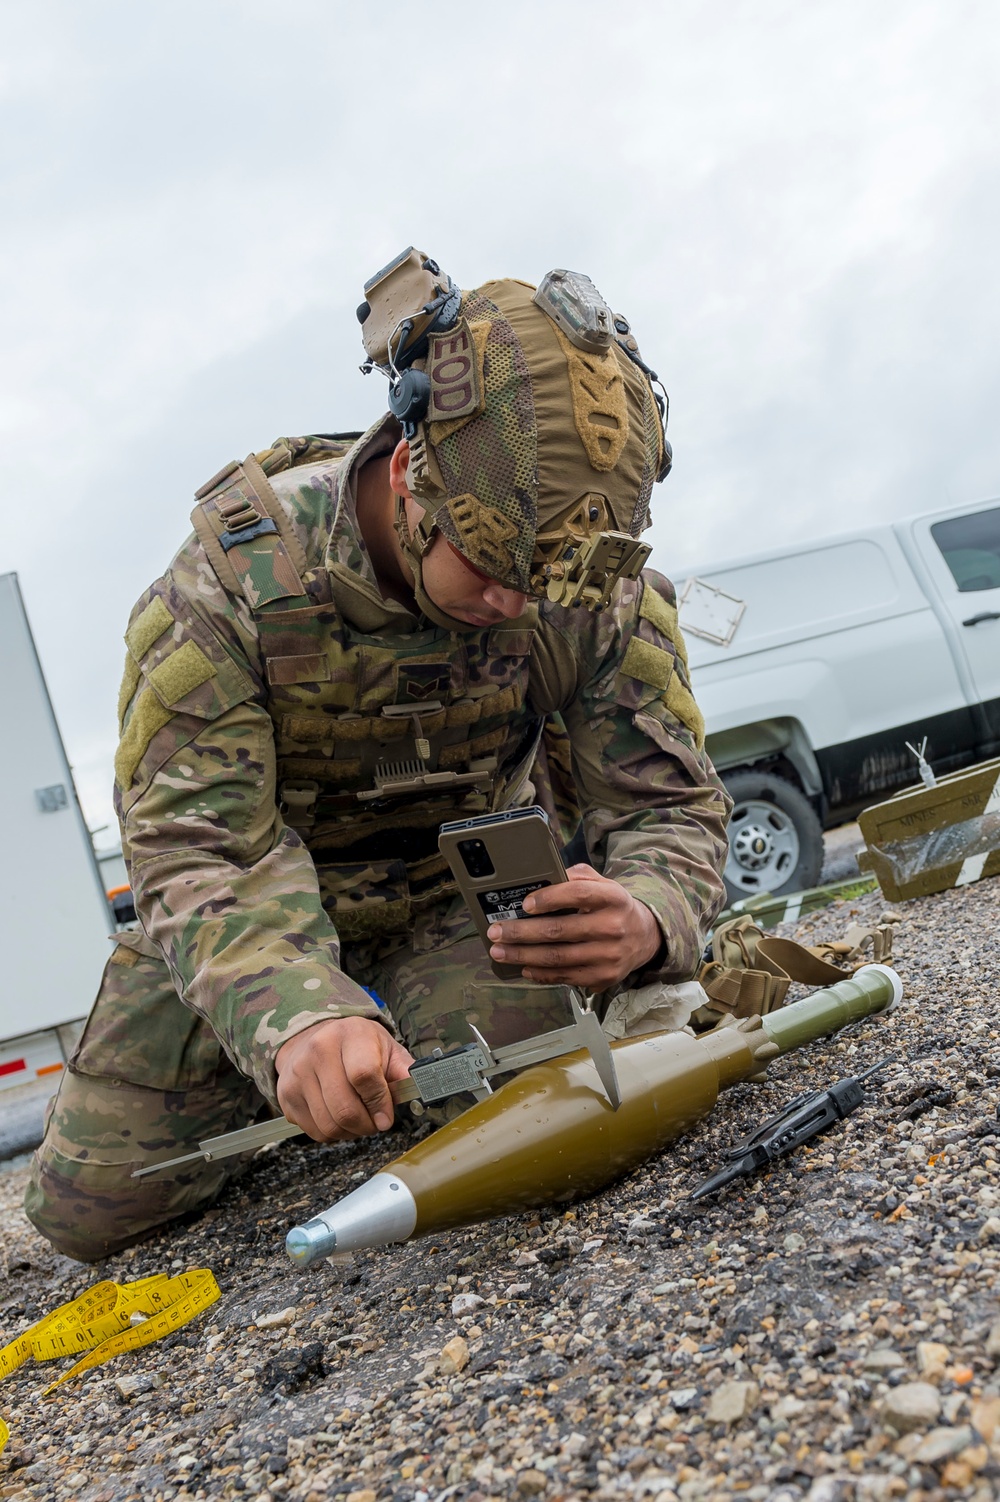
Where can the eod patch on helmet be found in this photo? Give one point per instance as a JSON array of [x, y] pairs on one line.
[[534, 426]]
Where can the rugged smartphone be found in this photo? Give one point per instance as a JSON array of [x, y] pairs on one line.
[[497, 859]]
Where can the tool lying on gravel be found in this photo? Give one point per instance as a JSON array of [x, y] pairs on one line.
[[440, 1076], [804, 1117], [108, 1319], [550, 1135]]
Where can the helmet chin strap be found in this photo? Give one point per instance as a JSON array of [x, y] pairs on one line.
[[414, 545]]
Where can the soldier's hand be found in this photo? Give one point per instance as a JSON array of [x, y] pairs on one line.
[[333, 1079], [609, 935]]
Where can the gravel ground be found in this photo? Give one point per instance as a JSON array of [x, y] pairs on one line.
[[827, 1331]]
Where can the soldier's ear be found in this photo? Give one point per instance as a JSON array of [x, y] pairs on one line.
[[398, 465]]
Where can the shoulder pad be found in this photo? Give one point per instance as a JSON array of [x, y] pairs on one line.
[[247, 535], [178, 674], [654, 664], [288, 453]]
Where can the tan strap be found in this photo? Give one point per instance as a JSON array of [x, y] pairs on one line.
[[209, 539], [858, 938], [272, 507], [785, 957], [247, 536], [743, 993], [752, 971]]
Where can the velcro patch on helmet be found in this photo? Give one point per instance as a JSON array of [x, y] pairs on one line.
[[600, 406], [438, 429], [453, 367], [483, 534]]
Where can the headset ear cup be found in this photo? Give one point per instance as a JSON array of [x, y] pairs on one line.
[[409, 398], [668, 460]]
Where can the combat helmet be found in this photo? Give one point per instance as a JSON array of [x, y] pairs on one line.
[[535, 428]]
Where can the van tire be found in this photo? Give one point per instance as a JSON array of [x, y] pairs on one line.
[[775, 837]]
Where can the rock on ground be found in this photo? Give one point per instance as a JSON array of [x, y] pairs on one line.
[[612, 1336], [912, 1405]]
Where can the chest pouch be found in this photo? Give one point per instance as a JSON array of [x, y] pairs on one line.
[[377, 739], [376, 898]]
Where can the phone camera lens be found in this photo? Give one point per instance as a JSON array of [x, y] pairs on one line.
[[476, 857]]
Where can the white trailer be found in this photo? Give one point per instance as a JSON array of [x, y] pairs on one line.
[[54, 914]]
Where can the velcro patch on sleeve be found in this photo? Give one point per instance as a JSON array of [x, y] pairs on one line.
[[600, 407], [681, 703], [130, 682], [148, 716], [148, 627], [661, 614], [649, 664], [181, 672], [653, 607], [452, 367]]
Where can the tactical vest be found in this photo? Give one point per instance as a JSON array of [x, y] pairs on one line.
[[378, 738]]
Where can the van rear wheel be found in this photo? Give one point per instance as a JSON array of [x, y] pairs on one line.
[[775, 837]]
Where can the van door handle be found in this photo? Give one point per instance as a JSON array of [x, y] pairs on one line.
[[986, 615]]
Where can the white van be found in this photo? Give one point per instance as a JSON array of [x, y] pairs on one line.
[[847, 648]]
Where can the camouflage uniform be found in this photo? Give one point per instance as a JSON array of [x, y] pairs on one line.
[[271, 698]]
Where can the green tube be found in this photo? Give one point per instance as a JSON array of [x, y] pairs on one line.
[[875, 988]]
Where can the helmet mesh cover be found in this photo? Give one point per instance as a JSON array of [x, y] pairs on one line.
[[520, 464], [495, 455]]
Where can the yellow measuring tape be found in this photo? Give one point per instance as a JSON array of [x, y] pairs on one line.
[[100, 1322]]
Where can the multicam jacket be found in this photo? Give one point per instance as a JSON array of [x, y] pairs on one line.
[[291, 741]]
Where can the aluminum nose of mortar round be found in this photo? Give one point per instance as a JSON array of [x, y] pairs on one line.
[[375, 1214]]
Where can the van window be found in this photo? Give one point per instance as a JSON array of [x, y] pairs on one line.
[[971, 549]]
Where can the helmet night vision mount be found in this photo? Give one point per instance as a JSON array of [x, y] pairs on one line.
[[546, 490], [411, 298]]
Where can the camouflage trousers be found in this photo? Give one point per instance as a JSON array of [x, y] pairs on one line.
[[150, 1079]]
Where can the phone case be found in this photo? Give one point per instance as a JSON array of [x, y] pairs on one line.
[[519, 846]]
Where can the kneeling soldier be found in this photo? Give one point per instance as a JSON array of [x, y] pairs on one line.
[[366, 636]]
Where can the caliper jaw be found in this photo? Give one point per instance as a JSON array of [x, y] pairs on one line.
[[469, 1069]]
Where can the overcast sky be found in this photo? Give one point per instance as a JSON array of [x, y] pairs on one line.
[[796, 205]]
